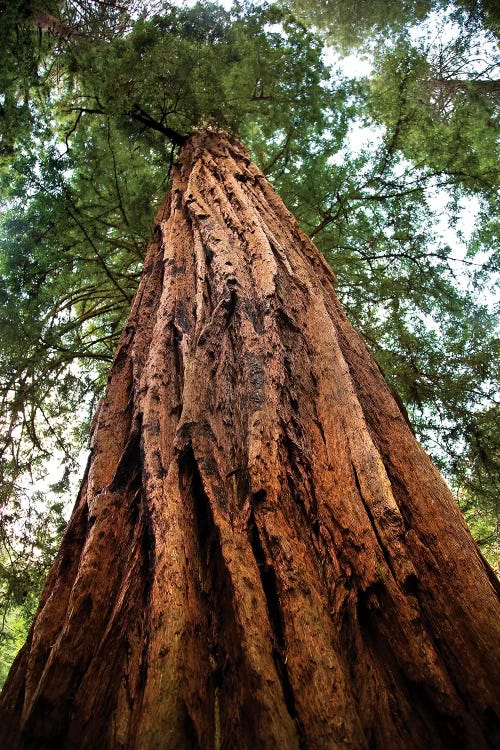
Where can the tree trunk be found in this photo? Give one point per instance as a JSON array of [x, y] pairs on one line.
[[261, 554], [451, 86]]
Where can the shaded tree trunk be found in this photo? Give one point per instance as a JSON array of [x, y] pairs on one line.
[[261, 554]]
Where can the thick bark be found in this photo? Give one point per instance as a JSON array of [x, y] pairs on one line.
[[261, 555]]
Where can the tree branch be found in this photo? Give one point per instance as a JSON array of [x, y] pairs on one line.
[[138, 114], [452, 85], [45, 22]]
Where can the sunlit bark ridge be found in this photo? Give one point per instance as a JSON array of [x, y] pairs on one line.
[[261, 555]]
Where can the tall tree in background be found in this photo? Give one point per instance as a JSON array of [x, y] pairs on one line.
[[261, 554], [95, 103]]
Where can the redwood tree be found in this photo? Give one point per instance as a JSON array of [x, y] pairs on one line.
[[261, 554]]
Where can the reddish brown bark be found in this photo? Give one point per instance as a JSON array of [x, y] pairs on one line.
[[261, 555]]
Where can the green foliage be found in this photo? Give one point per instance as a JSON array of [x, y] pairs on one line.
[[25, 557], [21, 81], [204, 66], [350, 23], [14, 629], [480, 13], [447, 124]]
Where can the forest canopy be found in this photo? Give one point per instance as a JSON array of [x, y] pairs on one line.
[[393, 173]]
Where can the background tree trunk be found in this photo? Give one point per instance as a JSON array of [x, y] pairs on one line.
[[261, 555]]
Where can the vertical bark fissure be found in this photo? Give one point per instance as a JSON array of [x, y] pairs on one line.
[[276, 620], [373, 524], [56, 594], [178, 364], [148, 557], [300, 485], [412, 587], [128, 617], [433, 726], [217, 601]]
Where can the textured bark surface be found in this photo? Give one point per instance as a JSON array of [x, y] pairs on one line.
[[261, 555]]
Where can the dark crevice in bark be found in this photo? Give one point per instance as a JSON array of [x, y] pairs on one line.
[[190, 733], [254, 311], [68, 559], [129, 465], [64, 724], [438, 728], [368, 618], [319, 425], [427, 614], [373, 524], [447, 730], [181, 317], [491, 723], [284, 319], [399, 493], [63, 574], [140, 514], [259, 497], [148, 541], [218, 321], [235, 709], [191, 481], [308, 521], [276, 620], [301, 489], [411, 585], [178, 363]]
